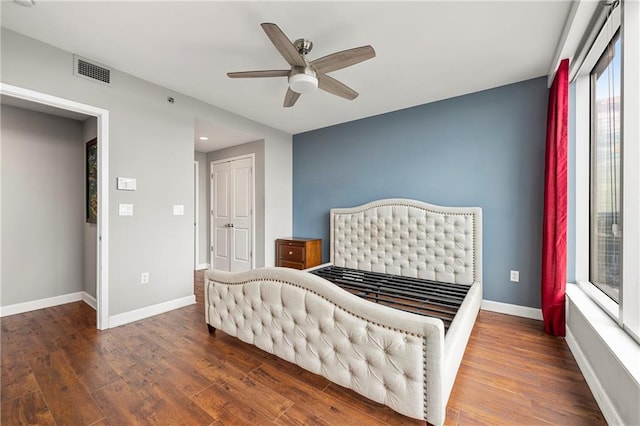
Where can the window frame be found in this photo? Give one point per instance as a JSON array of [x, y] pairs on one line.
[[626, 313], [593, 222]]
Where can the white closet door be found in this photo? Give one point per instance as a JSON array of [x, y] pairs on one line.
[[240, 200], [232, 210], [220, 229]]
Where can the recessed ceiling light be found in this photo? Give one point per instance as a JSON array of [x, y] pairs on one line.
[[203, 138]]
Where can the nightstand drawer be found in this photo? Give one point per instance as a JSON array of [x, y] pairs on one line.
[[291, 253], [293, 265]]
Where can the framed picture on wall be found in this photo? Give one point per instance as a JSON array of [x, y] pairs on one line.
[[92, 180]]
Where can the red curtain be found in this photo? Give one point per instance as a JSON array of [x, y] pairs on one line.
[[554, 232]]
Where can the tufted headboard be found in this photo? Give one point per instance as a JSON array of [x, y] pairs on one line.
[[409, 238]]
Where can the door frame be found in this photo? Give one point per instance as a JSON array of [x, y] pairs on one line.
[[252, 156], [102, 240]]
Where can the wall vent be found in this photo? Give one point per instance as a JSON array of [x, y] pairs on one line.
[[86, 68]]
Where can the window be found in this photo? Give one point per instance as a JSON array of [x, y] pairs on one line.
[[607, 171], [605, 187]]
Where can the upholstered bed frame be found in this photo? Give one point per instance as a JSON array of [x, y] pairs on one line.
[[397, 358]]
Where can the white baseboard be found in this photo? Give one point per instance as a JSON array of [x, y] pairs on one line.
[[604, 403], [509, 309], [33, 305], [149, 311], [90, 300], [202, 266]]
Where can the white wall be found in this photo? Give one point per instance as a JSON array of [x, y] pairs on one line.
[[150, 140], [278, 206], [42, 206]]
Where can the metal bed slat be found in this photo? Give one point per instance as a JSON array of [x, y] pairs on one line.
[[422, 285], [412, 287], [445, 316], [427, 288], [403, 294], [398, 278], [414, 295]]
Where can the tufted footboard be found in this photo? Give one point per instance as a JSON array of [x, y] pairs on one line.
[[392, 357]]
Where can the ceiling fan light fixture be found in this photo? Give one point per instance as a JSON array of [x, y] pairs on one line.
[[303, 83]]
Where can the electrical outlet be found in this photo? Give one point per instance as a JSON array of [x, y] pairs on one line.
[[144, 278], [515, 276]]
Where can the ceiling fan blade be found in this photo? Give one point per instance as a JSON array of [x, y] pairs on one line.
[[333, 86], [283, 44], [257, 74], [346, 58], [290, 98]]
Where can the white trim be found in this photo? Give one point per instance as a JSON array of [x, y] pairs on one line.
[[196, 213], [210, 215], [630, 305], [89, 300], [619, 343], [598, 297], [202, 266], [34, 305], [509, 309], [583, 143], [601, 40], [102, 271], [229, 159], [606, 406], [582, 165], [102, 115], [149, 311]]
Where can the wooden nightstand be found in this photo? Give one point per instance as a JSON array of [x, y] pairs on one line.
[[298, 253]]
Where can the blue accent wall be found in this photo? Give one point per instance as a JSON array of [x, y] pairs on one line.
[[484, 149]]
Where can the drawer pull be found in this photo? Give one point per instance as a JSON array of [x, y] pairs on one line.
[[290, 253]]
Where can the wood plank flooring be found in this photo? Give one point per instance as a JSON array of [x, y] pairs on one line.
[[57, 369]]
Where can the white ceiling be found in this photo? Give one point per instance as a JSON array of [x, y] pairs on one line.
[[426, 51]]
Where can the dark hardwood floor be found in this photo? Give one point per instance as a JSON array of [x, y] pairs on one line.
[[57, 369]]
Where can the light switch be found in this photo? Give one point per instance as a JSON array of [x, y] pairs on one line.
[[125, 209], [178, 210], [126, 184]]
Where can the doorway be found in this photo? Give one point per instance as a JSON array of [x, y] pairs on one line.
[[102, 249], [232, 219]]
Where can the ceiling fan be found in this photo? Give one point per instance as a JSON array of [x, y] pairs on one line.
[[305, 76]]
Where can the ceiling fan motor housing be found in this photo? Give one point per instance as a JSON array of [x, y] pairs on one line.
[[303, 45], [303, 80]]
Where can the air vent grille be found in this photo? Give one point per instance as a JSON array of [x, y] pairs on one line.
[[87, 69]]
